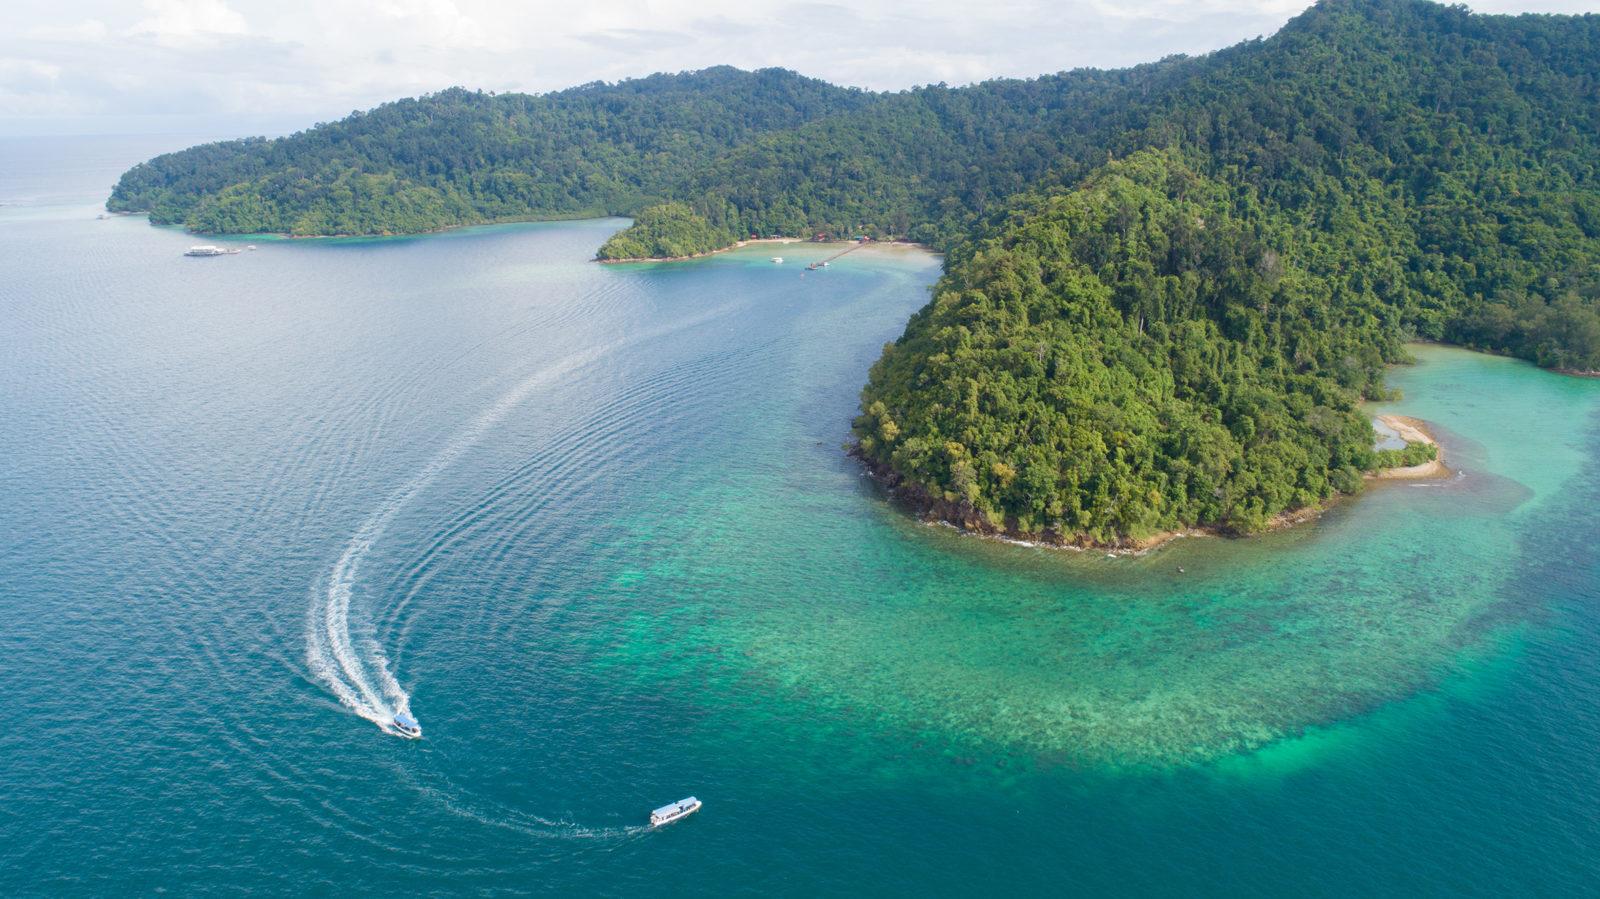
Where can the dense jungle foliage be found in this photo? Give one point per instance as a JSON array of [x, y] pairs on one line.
[[1130, 357], [1168, 287], [665, 231], [466, 157], [1181, 336]]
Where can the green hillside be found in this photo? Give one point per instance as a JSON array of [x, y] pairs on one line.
[[1167, 289], [461, 157]]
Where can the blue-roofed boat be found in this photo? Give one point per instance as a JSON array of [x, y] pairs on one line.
[[667, 814], [407, 726]]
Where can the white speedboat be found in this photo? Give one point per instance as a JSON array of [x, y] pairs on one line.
[[667, 814], [778, 259], [407, 726], [206, 249]]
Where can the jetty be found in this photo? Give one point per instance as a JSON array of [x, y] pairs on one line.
[[850, 249]]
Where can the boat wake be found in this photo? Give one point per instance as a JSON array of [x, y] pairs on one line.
[[356, 670], [523, 824]]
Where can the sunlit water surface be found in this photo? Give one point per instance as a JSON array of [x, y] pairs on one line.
[[593, 527]]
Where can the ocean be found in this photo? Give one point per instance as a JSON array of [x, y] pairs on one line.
[[593, 527]]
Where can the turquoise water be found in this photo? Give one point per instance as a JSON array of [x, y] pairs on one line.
[[592, 526]]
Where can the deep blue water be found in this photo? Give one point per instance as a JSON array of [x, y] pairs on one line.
[[592, 526]]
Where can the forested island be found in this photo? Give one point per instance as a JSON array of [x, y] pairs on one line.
[[1167, 290]]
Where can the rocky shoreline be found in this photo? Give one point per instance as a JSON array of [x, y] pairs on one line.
[[961, 516]]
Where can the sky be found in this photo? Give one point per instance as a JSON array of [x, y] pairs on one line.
[[270, 66]]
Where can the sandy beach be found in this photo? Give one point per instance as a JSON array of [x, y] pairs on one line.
[[894, 244], [1412, 430]]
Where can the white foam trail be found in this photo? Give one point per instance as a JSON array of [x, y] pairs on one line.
[[362, 681]]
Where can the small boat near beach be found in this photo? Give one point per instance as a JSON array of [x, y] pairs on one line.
[[407, 726], [667, 814], [778, 259], [209, 250]]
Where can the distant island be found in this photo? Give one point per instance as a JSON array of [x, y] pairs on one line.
[[1168, 288]]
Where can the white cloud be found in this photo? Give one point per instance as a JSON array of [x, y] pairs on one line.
[[26, 74], [436, 22], [319, 59], [182, 21], [91, 31]]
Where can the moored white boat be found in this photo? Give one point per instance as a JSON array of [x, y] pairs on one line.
[[206, 249]]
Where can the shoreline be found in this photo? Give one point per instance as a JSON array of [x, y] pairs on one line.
[[514, 220], [1503, 354], [764, 240], [929, 510], [938, 511], [1412, 430], [734, 246], [283, 235]]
